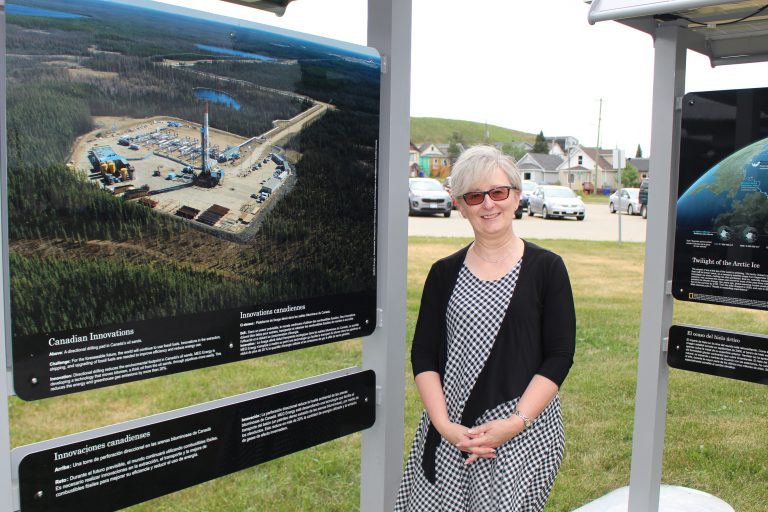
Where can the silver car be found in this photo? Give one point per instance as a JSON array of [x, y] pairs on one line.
[[555, 201], [625, 200], [427, 195]]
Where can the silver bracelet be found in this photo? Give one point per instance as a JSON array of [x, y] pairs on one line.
[[527, 422]]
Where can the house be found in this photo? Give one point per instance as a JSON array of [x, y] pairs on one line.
[[642, 165], [413, 160], [561, 145], [433, 162], [588, 165], [541, 168]]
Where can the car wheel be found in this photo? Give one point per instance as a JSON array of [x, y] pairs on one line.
[[530, 211], [579, 217], [644, 211], [612, 208], [544, 213], [630, 210], [447, 214]]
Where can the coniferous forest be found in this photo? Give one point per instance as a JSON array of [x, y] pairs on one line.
[[80, 257]]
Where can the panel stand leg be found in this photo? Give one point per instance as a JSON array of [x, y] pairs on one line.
[[389, 31]]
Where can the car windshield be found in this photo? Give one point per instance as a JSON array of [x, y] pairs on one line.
[[527, 187], [633, 193], [559, 192], [426, 185]]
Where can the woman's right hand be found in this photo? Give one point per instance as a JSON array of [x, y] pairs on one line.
[[454, 433]]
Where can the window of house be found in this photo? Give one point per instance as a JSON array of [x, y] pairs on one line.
[[445, 162], [581, 159], [571, 178]]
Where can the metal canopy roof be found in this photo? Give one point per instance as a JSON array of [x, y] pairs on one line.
[[275, 6], [726, 32]]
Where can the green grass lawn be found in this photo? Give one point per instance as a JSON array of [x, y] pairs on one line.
[[594, 198], [717, 429]]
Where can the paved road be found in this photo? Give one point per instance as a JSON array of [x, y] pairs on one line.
[[599, 224]]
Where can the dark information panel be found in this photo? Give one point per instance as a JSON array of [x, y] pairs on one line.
[[723, 353], [721, 237], [130, 466], [51, 364]]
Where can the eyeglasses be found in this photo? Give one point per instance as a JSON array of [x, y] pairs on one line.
[[496, 193]]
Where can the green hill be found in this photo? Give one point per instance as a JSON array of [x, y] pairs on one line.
[[439, 131]]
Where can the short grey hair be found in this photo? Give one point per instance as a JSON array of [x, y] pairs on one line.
[[479, 162]]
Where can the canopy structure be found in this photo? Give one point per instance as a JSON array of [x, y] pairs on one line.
[[275, 6], [728, 33]]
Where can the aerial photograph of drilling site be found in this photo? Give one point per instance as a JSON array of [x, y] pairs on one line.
[[161, 163]]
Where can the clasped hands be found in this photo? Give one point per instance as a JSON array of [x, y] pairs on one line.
[[481, 441]]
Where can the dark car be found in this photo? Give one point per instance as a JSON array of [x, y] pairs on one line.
[[644, 198]]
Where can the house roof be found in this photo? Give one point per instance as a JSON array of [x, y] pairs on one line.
[[423, 150], [641, 164], [593, 154], [542, 161]]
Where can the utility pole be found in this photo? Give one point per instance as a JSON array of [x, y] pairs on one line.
[[597, 146]]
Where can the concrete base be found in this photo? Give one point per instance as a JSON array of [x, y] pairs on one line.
[[671, 499]]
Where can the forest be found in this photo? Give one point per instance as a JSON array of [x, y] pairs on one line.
[[81, 257]]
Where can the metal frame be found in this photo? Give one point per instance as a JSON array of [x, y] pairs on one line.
[[672, 39], [6, 494], [652, 371], [389, 31]]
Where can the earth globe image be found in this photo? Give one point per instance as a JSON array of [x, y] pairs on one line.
[[730, 199]]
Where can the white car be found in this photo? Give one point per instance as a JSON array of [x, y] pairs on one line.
[[555, 201], [625, 200], [427, 195]]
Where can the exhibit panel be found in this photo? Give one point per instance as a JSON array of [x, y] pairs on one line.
[[122, 465], [735, 355], [721, 240], [183, 191]]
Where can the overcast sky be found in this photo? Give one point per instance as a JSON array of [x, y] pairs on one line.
[[529, 65]]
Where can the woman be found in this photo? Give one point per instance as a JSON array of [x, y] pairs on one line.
[[493, 343]]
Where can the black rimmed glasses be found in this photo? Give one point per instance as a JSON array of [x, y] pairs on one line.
[[496, 193]]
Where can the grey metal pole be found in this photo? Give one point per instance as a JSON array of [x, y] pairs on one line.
[[6, 496], [652, 371], [618, 189], [389, 31]]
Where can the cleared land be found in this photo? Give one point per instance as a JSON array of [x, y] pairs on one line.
[[162, 147]]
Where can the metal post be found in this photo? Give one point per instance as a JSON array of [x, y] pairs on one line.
[[6, 496], [652, 371], [389, 31]]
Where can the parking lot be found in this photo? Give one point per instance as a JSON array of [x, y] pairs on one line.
[[599, 224]]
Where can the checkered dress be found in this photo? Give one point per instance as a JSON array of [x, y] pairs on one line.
[[521, 476]]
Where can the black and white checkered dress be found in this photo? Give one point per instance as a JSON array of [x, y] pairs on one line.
[[520, 478]]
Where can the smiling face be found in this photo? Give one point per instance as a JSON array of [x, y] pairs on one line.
[[491, 219]]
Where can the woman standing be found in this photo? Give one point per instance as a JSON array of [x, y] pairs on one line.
[[494, 341]]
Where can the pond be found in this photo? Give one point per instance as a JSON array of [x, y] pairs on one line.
[[217, 97], [23, 10], [235, 53]]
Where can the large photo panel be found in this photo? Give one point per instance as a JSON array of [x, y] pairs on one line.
[[721, 240], [183, 190]]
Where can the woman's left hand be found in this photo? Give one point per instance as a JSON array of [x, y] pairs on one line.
[[485, 438]]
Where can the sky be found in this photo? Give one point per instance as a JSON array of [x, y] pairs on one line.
[[529, 65]]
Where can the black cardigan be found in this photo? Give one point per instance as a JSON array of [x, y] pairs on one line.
[[537, 335]]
